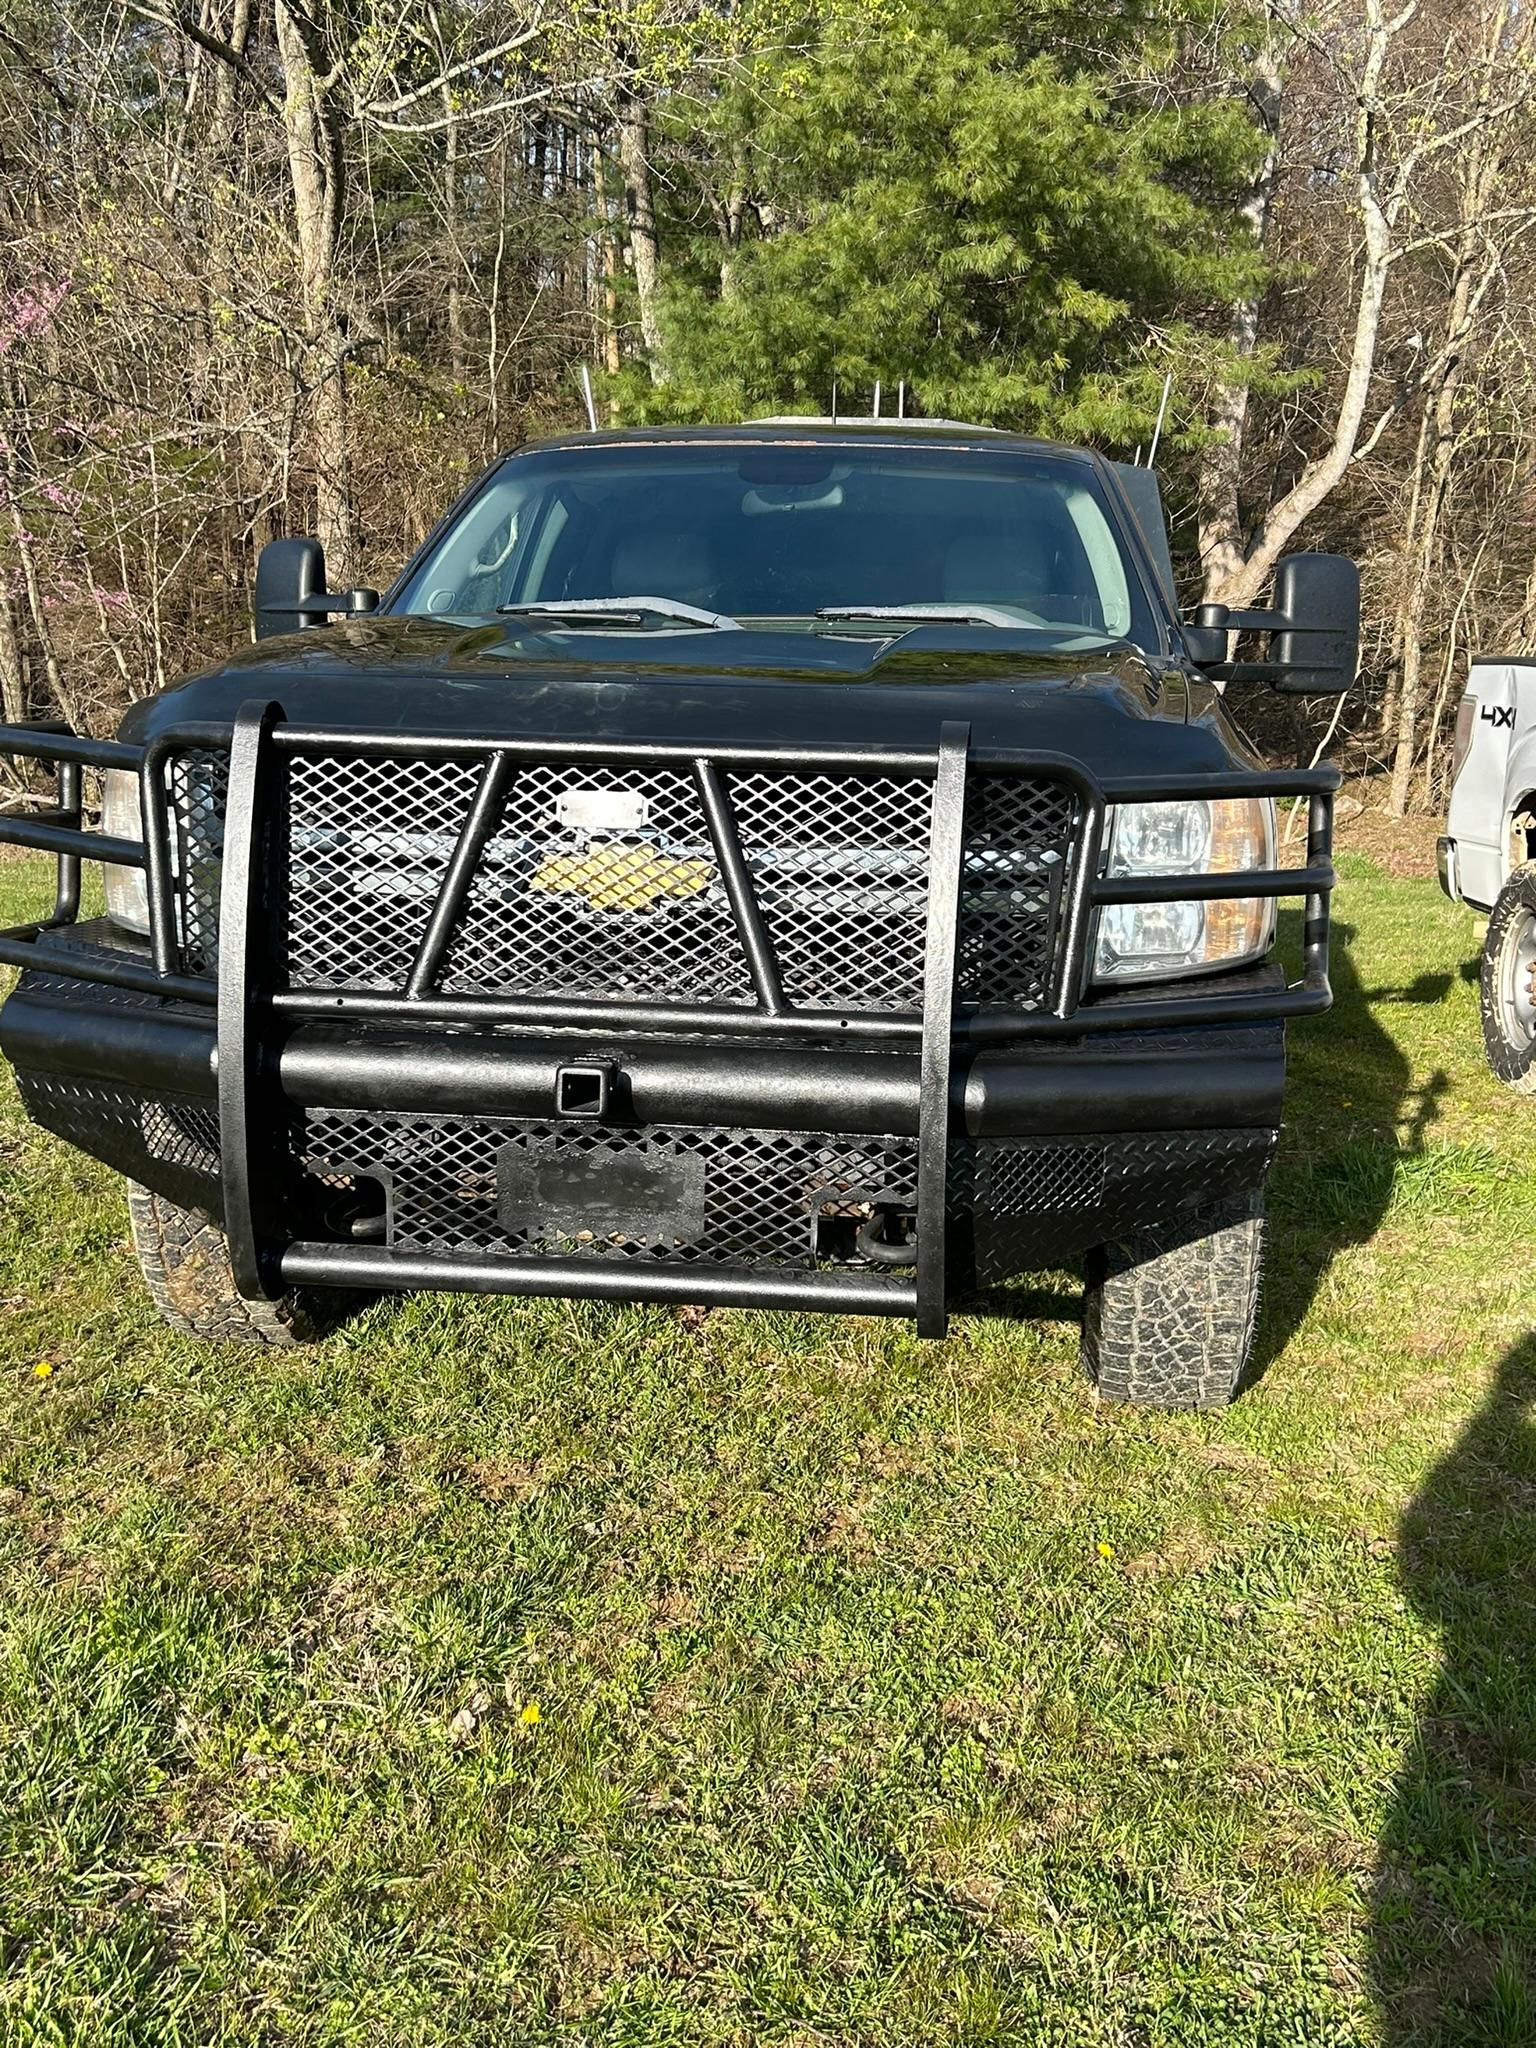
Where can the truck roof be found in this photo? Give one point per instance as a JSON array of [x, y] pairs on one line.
[[788, 428]]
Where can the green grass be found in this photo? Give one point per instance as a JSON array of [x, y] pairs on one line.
[[849, 1730]]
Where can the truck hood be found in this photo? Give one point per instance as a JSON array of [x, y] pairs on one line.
[[1106, 706]]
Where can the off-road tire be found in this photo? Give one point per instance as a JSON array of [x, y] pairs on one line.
[[184, 1257], [1507, 956], [1169, 1315]]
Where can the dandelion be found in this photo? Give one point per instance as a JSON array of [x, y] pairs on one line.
[[44, 1369], [1105, 1550], [530, 1715]]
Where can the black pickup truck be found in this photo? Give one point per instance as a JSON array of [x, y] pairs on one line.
[[800, 865]]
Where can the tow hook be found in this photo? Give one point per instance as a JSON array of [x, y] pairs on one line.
[[873, 1244], [359, 1213]]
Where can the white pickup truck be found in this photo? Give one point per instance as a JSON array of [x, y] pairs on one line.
[[1488, 853]]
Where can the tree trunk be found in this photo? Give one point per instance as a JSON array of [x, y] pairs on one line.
[[13, 676], [451, 228], [1528, 610], [1220, 515], [16, 416], [315, 171], [1480, 178], [1378, 212], [640, 220], [1392, 695], [226, 82], [1323, 476], [608, 259], [1416, 594]]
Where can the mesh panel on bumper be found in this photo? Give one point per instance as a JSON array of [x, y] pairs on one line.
[[1014, 1205], [1017, 1204], [762, 1190], [166, 1142]]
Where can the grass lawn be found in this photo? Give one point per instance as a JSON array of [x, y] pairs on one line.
[[530, 1673]]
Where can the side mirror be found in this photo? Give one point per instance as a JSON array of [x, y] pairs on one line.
[[1314, 650], [1320, 651], [290, 589]]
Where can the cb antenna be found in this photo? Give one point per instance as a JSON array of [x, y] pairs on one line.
[[1157, 431], [586, 392]]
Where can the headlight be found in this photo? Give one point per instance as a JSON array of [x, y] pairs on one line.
[[1165, 940], [127, 889]]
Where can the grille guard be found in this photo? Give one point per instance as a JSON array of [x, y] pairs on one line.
[[245, 991]]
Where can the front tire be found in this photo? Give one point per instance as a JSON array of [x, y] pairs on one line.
[[1508, 983], [1169, 1315], [184, 1257]]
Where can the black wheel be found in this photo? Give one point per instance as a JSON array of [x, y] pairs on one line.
[[1169, 1316], [1509, 982], [184, 1257]]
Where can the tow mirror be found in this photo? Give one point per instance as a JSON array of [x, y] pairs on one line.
[[291, 593], [1314, 648]]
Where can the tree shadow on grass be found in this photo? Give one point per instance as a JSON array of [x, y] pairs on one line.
[[1352, 1114], [1454, 1934]]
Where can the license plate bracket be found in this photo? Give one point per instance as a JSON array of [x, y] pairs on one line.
[[646, 1192]]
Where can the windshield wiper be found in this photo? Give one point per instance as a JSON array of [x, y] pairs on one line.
[[629, 613], [930, 614]]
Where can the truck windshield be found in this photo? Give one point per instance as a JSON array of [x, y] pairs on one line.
[[785, 531]]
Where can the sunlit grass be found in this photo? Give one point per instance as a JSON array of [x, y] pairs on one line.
[[885, 1692]]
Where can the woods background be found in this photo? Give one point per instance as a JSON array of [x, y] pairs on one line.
[[273, 266]]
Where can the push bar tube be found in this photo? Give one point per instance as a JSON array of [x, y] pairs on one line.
[[361, 1265]]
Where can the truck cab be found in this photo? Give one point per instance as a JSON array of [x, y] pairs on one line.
[[800, 864]]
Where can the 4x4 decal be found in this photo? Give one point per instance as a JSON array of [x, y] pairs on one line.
[[1498, 715]]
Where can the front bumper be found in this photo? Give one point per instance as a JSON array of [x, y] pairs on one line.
[[1050, 1149], [729, 1153]]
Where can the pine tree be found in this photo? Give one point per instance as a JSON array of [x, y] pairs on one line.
[[932, 192]]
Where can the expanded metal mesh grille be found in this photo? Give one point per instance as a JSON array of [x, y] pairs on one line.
[[1019, 839], [840, 864], [601, 882], [1017, 1180], [183, 1133], [762, 1190], [369, 844], [199, 792]]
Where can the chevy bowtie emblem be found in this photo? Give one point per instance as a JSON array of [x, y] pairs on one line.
[[620, 877]]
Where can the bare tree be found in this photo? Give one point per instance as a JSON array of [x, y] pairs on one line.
[[1416, 90]]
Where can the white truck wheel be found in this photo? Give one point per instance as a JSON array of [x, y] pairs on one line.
[[1509, 982]]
